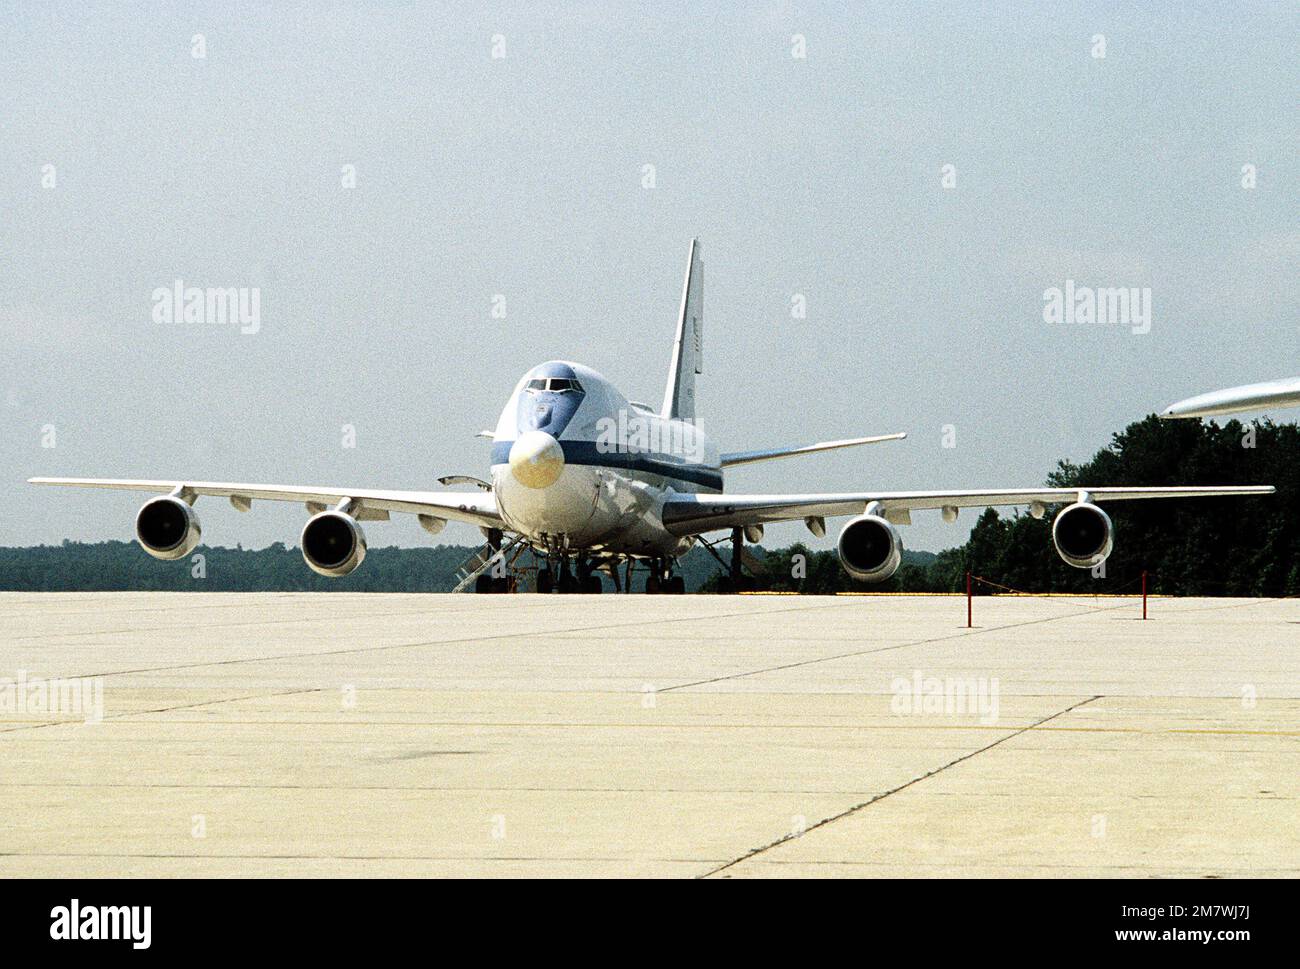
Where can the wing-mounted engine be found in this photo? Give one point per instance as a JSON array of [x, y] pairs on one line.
[[333, 543], [167, 527], [870, 548], [1083, 534]]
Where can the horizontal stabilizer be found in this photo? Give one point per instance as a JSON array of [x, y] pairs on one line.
[[752, 457]]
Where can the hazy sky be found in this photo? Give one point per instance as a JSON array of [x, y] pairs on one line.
[[522, 176]]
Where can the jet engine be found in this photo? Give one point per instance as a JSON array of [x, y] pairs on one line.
[[167, 528], [1083, 535], [870, 548], [333, 544]]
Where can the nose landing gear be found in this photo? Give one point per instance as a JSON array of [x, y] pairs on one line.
[[588, 580], [566, 577], [662, 580], [560, 570], [557, 574]]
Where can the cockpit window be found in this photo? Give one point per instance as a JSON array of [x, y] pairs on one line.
[[554, 384]]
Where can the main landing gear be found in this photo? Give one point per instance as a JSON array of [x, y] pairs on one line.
[[733, 578]]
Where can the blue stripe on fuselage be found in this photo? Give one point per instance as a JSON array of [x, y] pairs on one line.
[[590, 454]]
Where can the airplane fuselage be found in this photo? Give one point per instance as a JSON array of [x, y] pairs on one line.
[[577, 465]]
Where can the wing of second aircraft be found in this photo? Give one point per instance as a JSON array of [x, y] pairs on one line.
[[1234, 400]]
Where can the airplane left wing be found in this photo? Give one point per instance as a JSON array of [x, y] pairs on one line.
[[693, 514], [476, 508]]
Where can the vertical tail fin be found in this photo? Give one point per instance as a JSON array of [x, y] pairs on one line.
[[688, 348]]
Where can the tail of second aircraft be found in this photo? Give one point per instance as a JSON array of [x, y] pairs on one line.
[[688, 348]]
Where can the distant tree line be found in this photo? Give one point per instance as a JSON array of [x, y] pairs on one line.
[[115, 566], [1216, 546]]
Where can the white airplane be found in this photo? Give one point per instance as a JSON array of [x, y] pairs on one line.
[[1234, 400], [582, 475]]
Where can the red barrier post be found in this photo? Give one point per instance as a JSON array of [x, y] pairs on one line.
[[1144, 593], [968, 625]]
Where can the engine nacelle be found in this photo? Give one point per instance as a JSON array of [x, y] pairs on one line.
[[1083, 535], [333, 544], [167, 528], [870, 548]]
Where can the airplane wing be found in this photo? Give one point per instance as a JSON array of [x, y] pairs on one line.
[[693, 514], [1234, 400], [750, 457], [476, 508]]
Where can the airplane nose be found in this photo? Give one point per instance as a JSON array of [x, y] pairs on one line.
[[536, 459]]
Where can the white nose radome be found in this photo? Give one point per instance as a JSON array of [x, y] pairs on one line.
[[536, 459]]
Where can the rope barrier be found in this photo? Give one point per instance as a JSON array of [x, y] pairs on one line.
[[971, 578]]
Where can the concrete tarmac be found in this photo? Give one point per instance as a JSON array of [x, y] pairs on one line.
[[687, 736]]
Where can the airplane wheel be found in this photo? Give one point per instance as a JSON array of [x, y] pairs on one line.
[[591, 585], [567, 584], [652, 585], [544, 581], [500, 585], [676, 585], [483, 583]]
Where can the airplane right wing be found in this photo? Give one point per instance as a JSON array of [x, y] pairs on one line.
[[476, 508]]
